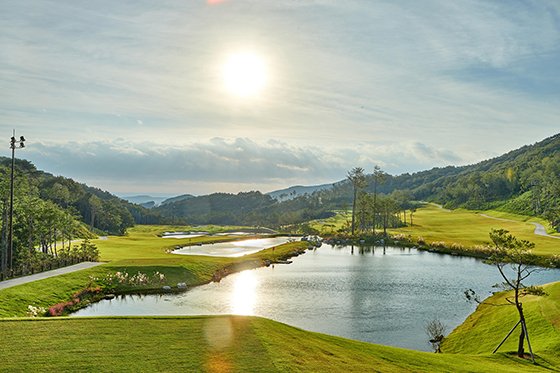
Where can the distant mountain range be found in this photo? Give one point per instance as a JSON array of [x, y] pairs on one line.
[[280, 195], [145, 200], [524, 181], [298, 191], [151, 202]]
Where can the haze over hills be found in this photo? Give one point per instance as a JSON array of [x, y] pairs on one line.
[[151, 201], [145, 200], [298, 191], [181, 197]]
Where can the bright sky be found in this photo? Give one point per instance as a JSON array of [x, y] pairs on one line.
[[172, 97]]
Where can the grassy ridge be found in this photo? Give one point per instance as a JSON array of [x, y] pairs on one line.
[[484, 329], [212, 344]]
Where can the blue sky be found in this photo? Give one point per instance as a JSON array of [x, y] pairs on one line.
[[129, 97]]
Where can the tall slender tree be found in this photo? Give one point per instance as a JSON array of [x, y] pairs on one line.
[[358, 180], [379, 177], [511, 252]]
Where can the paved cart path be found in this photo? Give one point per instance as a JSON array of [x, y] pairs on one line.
[[539, 228], [40, 276]]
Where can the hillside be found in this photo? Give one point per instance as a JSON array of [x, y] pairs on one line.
[[182, 197], [245, 208], [145, 200], [524, 181], [99, 209]]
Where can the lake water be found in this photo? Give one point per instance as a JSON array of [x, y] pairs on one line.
[[380, 296], [180, 235], [232, 248]]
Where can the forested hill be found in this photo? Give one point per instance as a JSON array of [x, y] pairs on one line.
[[526, 181], [245, 208], [100, 210]]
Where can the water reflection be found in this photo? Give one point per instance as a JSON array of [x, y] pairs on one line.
[[244, 294]]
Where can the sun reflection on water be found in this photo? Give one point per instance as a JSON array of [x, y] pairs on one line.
[[244, 294]]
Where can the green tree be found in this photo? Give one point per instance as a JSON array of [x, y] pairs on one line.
[[514, 253], [358, 180], [379, 177], [96, 206], [87, 250]]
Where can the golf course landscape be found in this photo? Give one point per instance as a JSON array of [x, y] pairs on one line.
[[224, 186], [238, 343]]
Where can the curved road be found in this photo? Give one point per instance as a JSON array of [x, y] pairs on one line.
[[40, 276], [539, 228], [541, 231]]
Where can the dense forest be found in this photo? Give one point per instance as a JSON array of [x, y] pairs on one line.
[[245, 208], [50, 212]]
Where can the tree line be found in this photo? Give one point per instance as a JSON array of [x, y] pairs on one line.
[[50, 212], [374, 210]]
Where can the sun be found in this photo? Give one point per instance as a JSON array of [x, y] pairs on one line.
[[244, 74]]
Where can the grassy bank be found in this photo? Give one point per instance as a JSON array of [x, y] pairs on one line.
[[140, 251], [471, 228], [464, 228], [213, 344], [489, 324]]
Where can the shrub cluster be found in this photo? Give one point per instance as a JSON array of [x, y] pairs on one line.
[[112, 281]]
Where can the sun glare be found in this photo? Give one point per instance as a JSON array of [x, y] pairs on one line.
[[243, 297], [244, 74]]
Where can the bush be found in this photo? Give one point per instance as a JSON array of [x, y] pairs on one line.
[[112, 281]]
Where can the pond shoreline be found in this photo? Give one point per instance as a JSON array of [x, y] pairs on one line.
[[362, 294], [453, 249], [217, 276]]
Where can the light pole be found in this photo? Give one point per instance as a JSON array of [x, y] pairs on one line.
[[13, 145]]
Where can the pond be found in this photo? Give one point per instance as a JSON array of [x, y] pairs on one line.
[[373, 295], [232, 248]]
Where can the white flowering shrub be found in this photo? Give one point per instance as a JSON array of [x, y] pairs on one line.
[[33, 311], [113, 280]]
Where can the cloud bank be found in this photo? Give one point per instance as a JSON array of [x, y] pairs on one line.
[[234, 164]]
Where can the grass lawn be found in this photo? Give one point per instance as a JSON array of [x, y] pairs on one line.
[[213, 344], [464, 227], [140, 251], [144, 242], [488, 325], [471, 228]]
